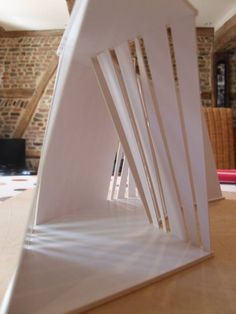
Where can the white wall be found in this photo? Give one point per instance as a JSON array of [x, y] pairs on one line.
[[33, 14]]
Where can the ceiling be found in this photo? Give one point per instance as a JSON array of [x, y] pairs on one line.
[[33, 14], [214, 13], [53, 14]]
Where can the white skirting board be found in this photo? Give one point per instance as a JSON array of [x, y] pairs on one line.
[[75, 264]]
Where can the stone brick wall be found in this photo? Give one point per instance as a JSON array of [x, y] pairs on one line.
[[205, 42], [11, 110], [24, 58], [35, 132], [205, 46]]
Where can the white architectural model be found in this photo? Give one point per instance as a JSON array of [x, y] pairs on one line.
[[82, 249]]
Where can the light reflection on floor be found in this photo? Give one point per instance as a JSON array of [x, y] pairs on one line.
[[71, 263], [14, 185]]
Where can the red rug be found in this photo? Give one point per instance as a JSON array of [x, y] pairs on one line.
[[227, 175]]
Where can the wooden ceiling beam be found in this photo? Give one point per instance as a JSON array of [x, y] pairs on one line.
[[70, 5], [38, 93], [225, 35], [16, 93]]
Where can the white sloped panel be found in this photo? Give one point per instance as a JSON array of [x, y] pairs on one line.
[[185, 48], [158, 53]]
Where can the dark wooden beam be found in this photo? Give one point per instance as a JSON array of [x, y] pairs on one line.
[[225, 35], [32, 154], [16, 93], [31, 107], [20, 33], [70, 5], [202, 31]]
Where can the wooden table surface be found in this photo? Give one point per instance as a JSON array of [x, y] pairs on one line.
[[207, 288]]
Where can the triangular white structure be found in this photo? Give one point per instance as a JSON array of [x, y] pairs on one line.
[[85, 249]]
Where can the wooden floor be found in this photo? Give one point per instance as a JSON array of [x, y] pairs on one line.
[[207, 288]]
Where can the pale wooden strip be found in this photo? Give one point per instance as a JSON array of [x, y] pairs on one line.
[[123, 180], [139, 108], [140, 124], [162, 74], [16, 92], [121, 132], [25, 33], [164, 162], [181, 115], [152, 147], [187, 69], [138, 152], [32, 154], [115, 175], [131, 185]]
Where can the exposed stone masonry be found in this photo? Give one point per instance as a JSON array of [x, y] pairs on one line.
[[205, 43], [23, 60], [10, 112], [25, 57], [35, 132]]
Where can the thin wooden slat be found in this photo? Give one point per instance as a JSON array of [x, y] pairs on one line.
[[152, 148], [131, 185], [136, 109], [115, 176], [161, 149], [182, 110], [139, 151], [16, 92], [32, 154], [155, 169], [24, 33], [187, 70], [123, 180], [121, 132], [162, 74]]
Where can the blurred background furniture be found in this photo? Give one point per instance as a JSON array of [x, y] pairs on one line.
[[220, 128]]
